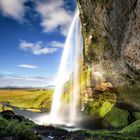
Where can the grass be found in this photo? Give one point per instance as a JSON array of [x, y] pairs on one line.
[[107, 135], [132, 129], [27, 98], [23, 130]]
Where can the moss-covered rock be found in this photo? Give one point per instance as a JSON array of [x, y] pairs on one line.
[[132, 129], [4, 108], [99, 109], [7, 108], [117, 118], [101, 104], [136, 115]]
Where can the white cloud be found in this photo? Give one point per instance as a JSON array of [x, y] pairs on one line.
[[12, 8], [28, 66], [25, 81], [57, 44], [36, 48], [54, 15]]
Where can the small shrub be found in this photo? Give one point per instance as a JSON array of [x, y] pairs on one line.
[[27, 134]]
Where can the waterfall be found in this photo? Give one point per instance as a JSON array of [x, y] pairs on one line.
[[62, 113]]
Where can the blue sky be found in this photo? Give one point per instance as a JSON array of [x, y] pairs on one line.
[[32, 36]]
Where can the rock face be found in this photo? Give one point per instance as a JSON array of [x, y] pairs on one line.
[[111, 35]]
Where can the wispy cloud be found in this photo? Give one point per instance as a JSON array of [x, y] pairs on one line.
[[36, 48], [13, 8], [57, 44], [21, 81], [27, 66], [54, 16]]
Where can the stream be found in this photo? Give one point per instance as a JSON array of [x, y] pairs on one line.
[[83, 121]]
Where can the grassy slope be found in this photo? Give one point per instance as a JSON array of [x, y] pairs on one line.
[[29, 99], [23, 129], [132, 129], [108, 135]]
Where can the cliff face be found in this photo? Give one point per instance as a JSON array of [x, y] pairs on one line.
[[111, 35]]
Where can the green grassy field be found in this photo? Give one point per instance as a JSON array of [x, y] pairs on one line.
[[31, 99]]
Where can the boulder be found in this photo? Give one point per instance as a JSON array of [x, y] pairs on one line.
[[117, 118]]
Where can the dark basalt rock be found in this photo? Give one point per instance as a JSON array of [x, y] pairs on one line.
[[60, 134], [10, 115]]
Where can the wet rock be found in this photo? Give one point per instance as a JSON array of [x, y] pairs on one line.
[[111, 32], [101, 103], [8, 114], [50, 132]]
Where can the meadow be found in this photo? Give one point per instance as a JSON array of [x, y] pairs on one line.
[[30, 99]]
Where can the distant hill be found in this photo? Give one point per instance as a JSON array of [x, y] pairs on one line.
[[27, 87]]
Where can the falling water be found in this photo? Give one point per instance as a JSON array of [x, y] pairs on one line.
[[77, 48], [71, 55]]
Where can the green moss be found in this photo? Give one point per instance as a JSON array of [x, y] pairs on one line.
[[7, 108], [117, 118], [105, 108], [108, 96], [2, 108], [96, 108], [93, 107], [107, 135], [101, 104], [132, 129], [136, 115], [85, 77]]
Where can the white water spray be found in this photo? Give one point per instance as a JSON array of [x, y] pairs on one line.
[[73, 45]]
